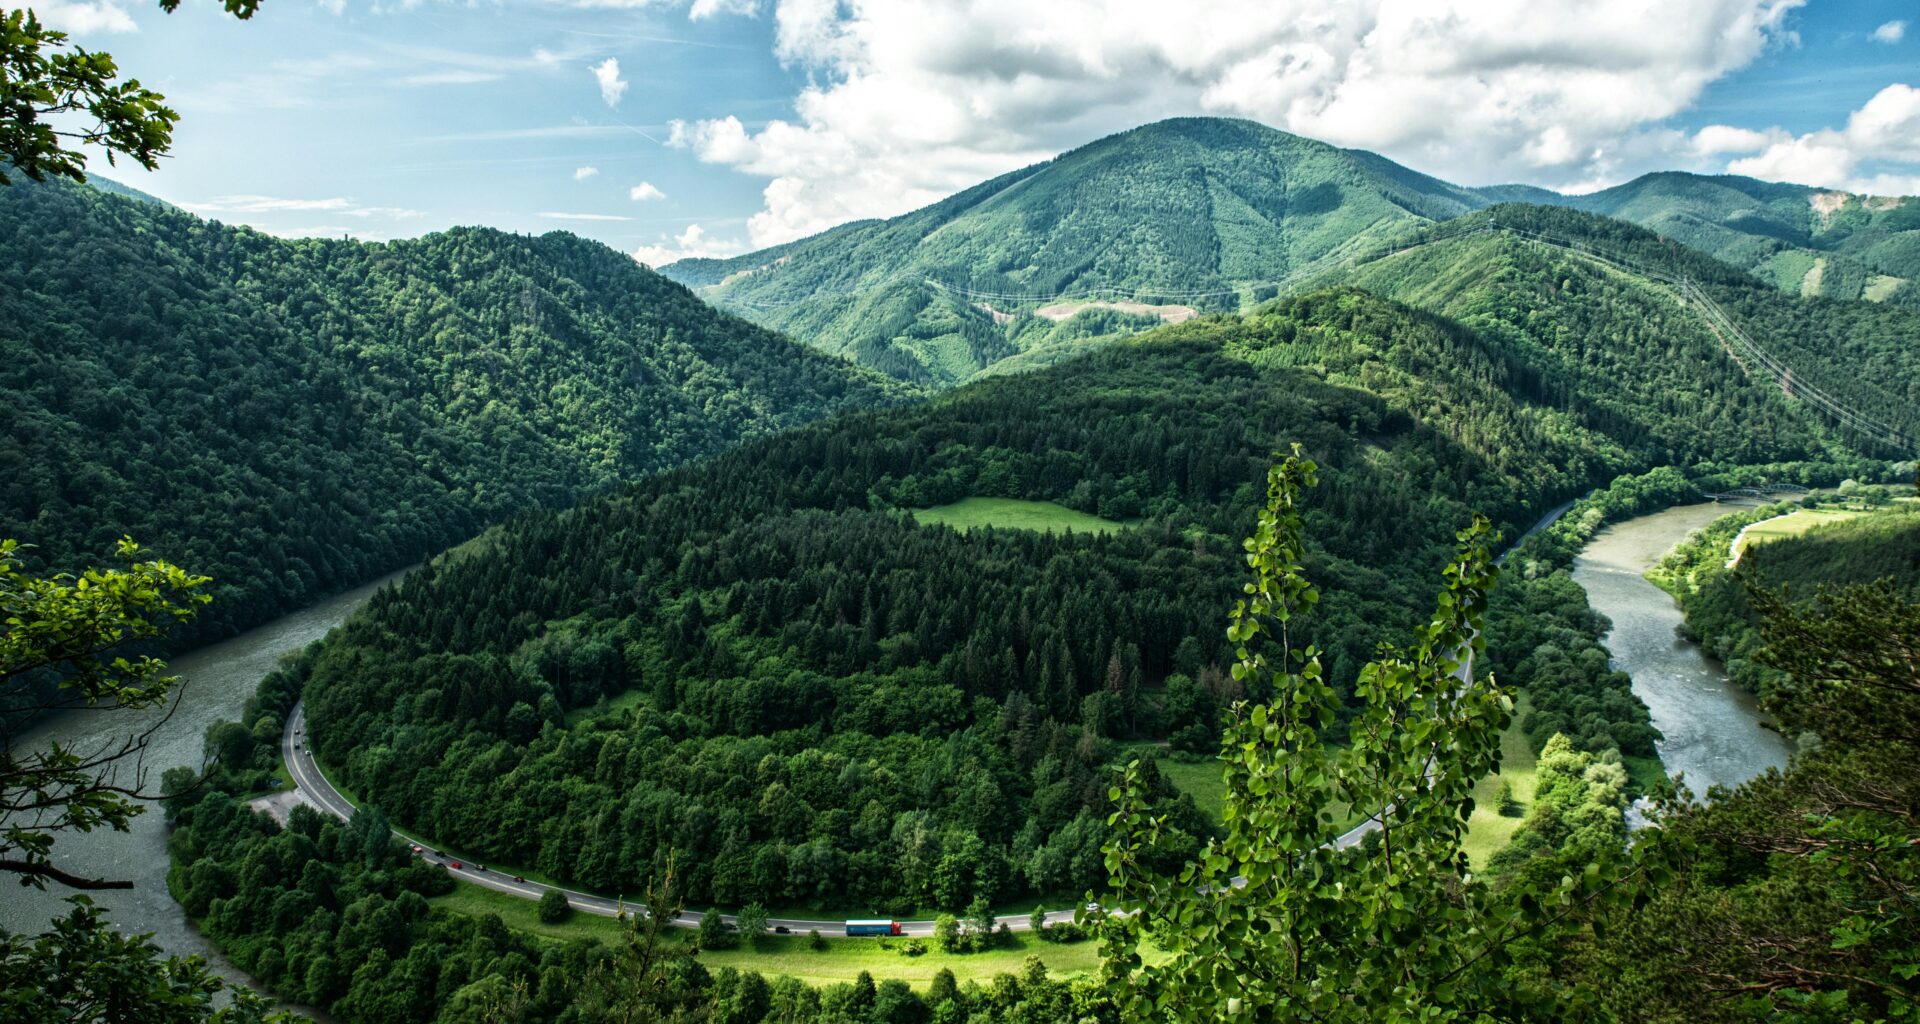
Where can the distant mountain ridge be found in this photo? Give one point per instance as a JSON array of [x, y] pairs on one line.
[[1804, 240], [1195, 215]]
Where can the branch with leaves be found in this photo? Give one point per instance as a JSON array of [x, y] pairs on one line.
[[54, 100], [1275, 921], [67, 635]]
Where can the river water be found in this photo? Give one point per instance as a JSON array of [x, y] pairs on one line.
[[1712, 727], [217, 681]]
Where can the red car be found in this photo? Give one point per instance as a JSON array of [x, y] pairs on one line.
[[455, 865]]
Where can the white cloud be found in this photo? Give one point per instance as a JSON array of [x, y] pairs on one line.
[[696, 10], [644, 191], [702, 9], [247, 205], [450, 77], [331, 6], [86, 18], [607, 73], [688, 244], [1891, 32], [1716, 139], [583, 216], [583, 173], [266, 204], [1885, 129], [908, 103]]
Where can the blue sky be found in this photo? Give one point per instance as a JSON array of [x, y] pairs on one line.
[[724, 125]]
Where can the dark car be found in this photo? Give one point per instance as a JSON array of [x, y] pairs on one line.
[[517, 878], [781, 929], [479, 867]]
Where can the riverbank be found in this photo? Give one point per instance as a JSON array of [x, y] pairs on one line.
[[216, 682], [1712, 732]]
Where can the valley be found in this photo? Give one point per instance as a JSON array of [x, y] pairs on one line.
[[1208, 553]]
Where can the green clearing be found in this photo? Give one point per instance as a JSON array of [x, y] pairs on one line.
[[844, 960], [1793, 524], [1014, 514], [1879, 286], [791, 955], [1488, 830], [1205, 781], [1810, 284]]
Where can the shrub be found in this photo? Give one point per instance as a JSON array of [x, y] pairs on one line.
[[554, 907], [816, 941], [715, 933]]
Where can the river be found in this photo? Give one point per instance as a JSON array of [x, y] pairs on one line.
[[1712, 727], [217, 681]]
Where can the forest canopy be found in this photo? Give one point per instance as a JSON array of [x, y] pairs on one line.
[[297, 417], [763, 663]]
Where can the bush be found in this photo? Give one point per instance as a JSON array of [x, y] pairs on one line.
[[816, 941], [1507, 805], [554, 907], [913, 947], [946, 932], [715, 933]]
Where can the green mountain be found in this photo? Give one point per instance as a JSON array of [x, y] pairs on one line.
[[1199, 215], [1189, 215], [1627, 336], [1807, 241], [781, 673], [295, 417]]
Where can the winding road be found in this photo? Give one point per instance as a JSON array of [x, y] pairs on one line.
[[311, 787]]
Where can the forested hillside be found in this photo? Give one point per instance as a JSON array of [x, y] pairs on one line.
[[1789, 898], [1194, 215], [295, 417], [1626, 340], [1861, 541], [1806, 241], [930, 709], [1198, 210]]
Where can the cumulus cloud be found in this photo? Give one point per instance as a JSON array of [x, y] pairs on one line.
[[908, 103], [702, 9], [607, 73], [1891, 32], [1885, 129], [583, 173], [688, 244], [645, 191], [86, 18], [1716, 139]]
